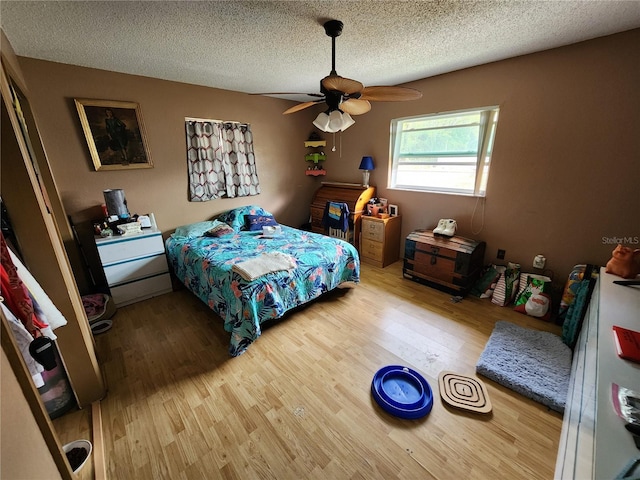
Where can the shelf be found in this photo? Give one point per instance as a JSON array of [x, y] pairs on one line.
[[315, 143], [315, 157], [315, 173]]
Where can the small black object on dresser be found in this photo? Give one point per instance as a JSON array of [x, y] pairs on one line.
[[452, 264]]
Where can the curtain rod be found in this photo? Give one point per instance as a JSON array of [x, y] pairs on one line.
[[193, 119]]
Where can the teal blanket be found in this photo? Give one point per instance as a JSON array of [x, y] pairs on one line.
[[205, 266]]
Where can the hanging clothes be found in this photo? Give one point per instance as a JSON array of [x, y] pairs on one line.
[[16, 294], [28, 308], [23, 339], [336, 215], [43, 306]]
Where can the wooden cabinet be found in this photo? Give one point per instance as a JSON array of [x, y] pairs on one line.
[[449, 263], [380, 240], [355, 196], [135, 266]]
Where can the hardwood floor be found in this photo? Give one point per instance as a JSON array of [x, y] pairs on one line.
[[298, 405]]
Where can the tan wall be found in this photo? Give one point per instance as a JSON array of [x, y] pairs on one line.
[[163, 190], [278, 141], [566, 163], [565, 166]]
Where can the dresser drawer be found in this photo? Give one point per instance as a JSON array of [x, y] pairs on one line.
[[141, 289], [129, 270], [371, 249], [120, 249], [372, 230]]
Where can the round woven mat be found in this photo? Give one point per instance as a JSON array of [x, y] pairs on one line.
[[464, 392]]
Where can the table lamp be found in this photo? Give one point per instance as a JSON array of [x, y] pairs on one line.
[[366, 164]]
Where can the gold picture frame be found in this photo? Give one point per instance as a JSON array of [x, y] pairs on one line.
[[115, 134]]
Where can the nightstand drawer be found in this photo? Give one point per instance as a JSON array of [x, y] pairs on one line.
[[371, 249], [141, 289], [129, 270], [117, 249], [135, 266], [372, 229]]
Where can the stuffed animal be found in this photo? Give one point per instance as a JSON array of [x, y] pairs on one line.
[[625, 262]]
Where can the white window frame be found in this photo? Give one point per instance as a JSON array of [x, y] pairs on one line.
[[486, 137]]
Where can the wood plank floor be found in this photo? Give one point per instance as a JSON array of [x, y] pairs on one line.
[[298, 405]]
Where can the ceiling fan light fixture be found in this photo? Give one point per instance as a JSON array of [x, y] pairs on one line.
[[347, 121], [322, 122], [335, 121]]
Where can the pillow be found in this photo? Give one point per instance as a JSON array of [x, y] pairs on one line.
[[256, 222], [236, 218], [195, 229], [219, 230]]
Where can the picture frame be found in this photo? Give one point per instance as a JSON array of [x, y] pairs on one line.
[[115, 134], [393, 210]]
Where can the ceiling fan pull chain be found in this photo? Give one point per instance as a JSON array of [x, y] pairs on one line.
[[334, 142]]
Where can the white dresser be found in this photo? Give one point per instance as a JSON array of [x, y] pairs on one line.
[[135, 266], [594, 443]]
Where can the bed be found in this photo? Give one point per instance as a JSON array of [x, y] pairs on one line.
[[213, 268]]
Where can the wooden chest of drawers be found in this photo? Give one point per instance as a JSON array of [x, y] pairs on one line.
[[448, 263], [380, 240]]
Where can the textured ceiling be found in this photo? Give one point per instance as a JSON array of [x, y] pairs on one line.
[[276, 46]]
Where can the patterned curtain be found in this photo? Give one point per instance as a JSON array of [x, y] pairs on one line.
[[221, 161]]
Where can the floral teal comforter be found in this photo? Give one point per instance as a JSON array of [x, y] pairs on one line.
[[204, 265]]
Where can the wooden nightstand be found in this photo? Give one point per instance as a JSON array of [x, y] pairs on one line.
[[380, 242], [135, 266]]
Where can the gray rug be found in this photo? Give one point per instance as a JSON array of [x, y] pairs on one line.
[[533, 363]]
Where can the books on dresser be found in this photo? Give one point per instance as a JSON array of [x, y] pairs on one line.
[[627, 343]]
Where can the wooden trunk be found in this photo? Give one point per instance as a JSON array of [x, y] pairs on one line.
[[448, 263], [355, 196]]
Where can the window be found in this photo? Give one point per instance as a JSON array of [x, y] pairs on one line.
[[446, 153]]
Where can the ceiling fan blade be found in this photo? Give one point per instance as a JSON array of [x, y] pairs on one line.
[[289, 93], [390, 94], [355, 106], [341, 84], [301, 106]]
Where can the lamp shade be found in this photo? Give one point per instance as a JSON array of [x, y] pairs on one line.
[[322, 121], [347, 121], [334, 121], [366, 163]]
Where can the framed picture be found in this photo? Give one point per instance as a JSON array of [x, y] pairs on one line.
[[393, 210], [115, 134]]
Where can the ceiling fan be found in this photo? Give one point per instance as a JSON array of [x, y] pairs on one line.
[[343, 94]]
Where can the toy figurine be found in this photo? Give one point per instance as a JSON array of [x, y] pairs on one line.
[[625, 262]]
